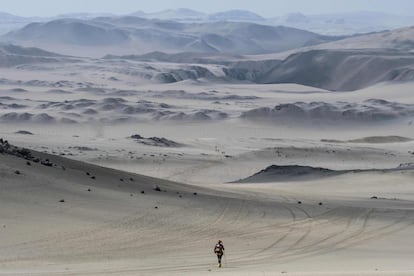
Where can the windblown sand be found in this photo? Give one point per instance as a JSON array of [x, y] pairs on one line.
[[60, 221]]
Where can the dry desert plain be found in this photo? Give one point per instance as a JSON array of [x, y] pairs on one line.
[[338, 200]]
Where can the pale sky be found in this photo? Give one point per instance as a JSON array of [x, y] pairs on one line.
[[266, 8]]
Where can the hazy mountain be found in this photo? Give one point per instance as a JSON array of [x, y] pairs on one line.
[[401, 39], [83, 15], [327, 24], [10, 22], [174, 14], [145, 35], [25, 51], [12, 55], [7, 17], [343, 70], [344, 23], [189, 15], [236, 15], [70, 31]]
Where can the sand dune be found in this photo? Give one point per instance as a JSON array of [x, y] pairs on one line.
[[275, 173], [94, 212], [374, 140], [66, 216], [111, 109], [131, 202], [369, 111]]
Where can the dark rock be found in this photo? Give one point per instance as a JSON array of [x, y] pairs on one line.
[[24, 132], [157, 188], [17, 172], [46, 163], [137, 136]]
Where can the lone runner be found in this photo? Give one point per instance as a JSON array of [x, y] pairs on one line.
[[219, 251]]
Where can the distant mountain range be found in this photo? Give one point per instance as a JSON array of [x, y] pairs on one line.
[[331, 69], [12, 55], [344, 23], [328, 24], [138, 35], [238, 51]]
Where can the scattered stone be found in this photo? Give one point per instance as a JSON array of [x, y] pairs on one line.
[[157, 188], [131, 195], [121, 179], [131, 179], [195, 193], [320, 203], [156, 207], [17, 172], [80, 148], [142, 192], [28, 163], [62, 201], [93, 177], [137, 136], [87, 173], [47, 163], [299, 202], [24, 132], [155, 141], [180, 196]]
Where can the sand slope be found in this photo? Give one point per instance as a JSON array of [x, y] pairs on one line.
[[263, 230]]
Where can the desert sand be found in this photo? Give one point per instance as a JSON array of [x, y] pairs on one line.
[[303, 163], [347, 224]]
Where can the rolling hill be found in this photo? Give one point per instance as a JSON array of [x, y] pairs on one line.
[[139, 35]]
